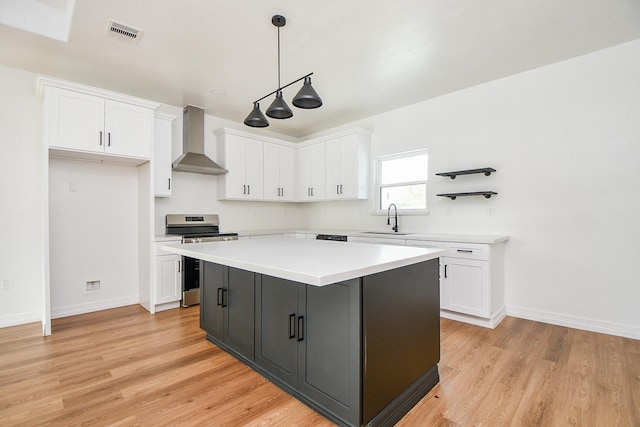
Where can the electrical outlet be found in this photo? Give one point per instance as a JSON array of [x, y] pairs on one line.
[[91, 286], [6, 283]]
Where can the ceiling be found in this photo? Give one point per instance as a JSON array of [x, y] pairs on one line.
[[367, 56]]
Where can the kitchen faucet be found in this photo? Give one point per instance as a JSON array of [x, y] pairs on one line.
[[395, 208]]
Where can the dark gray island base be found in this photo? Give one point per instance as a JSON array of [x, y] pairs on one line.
[[360, 352]]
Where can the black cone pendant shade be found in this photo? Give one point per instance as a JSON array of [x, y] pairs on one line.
[[256, 119], [279, 108], [307, 97]]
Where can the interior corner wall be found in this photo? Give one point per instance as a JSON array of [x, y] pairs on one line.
[[565, 140], [21, 250]]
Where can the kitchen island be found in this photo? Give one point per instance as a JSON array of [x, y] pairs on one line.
[[351, 330]]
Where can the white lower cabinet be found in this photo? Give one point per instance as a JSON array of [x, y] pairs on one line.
[[167, 282], [465, 286], [168, 276]]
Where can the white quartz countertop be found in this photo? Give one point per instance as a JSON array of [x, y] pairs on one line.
[[314, 262]]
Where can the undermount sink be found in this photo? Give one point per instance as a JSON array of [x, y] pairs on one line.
[[388, 233]]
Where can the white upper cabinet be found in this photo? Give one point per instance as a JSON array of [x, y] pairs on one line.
[[311, 172], [84, 122], [243, 157], [347, 166], [279, 172], [262, 168], [162, 155]]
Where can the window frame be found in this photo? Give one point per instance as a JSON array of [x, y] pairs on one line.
[[378, 210]]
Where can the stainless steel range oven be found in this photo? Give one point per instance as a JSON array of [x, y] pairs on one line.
[[194, 229]]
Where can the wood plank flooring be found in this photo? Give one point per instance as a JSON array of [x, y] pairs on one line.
[[125, 367]]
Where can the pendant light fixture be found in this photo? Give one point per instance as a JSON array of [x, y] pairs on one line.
[[306, 98]]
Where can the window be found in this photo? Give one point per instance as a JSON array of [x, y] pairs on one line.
[[402, 180]]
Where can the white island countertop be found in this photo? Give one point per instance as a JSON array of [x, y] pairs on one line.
[[314, 262]]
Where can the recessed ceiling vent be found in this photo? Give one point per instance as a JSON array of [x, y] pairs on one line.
[[123, 32]]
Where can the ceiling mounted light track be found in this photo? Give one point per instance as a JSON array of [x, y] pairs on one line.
[[306, 98]]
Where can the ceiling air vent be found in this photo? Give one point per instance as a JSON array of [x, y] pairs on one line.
[[123, 31]]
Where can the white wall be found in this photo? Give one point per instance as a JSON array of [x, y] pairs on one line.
[[565, 140], [21, 247], [93, 223]]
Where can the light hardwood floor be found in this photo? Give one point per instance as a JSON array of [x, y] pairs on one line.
[[126, 367]]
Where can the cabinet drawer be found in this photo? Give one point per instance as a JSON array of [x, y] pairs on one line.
[[467, 250]]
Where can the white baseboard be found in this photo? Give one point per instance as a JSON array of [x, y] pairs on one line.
[[478, 321], [72, 310], [20, 319], [167, 306], [575, 322]]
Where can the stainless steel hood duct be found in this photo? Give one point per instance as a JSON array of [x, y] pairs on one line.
[[193, 158]]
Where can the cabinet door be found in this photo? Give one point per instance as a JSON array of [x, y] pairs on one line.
[[277, 321], [271, 172], [168, 276], [213, 278], [329, 354], [287, 173], [254, 167], [238, 301], [162, 157], [333, 168], [465, 286], [349, 167], [305, 173], [76, 120], [129, 129], [311, 172], [235, 185]]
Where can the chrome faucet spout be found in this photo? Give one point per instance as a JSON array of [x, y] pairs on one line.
[[395, 217]]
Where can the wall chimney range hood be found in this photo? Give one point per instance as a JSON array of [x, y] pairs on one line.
[[193, 159]]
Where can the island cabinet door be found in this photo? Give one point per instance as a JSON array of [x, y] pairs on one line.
[[278, 322], [329, 351], [227, 307], [238, 303], [212, 282]]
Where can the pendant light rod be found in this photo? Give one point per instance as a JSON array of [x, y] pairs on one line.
[[280, 88]]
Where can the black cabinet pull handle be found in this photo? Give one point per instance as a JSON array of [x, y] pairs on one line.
[[445, 271], [248, 189], [108, 139], [337, 189], [467, 251], [100, 137], [219, 296], [292, 326], [169, 183], [341, 189], [179, 266], [300, 328], [244, 189], [224, 297]]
